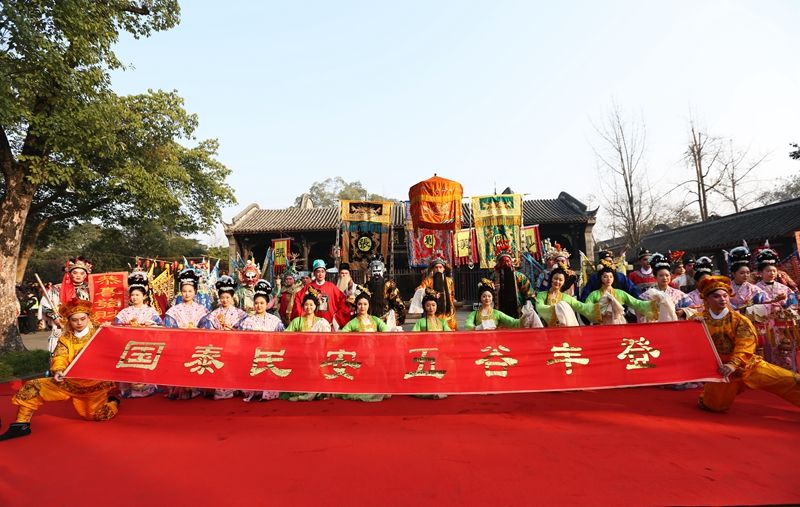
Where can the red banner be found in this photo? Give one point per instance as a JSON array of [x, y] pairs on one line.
[[109, 293], [553, 359]]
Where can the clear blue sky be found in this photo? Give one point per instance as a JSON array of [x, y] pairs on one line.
[[489, 93]]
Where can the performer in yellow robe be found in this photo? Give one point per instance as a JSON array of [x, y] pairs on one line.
[[735, 339], [89, 397], [438, 280]]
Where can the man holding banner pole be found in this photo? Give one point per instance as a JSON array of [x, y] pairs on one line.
[[89, 397], [735, 340]]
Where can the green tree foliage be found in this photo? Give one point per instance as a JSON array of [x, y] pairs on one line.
[[795, 154], [112, 248], [71, 150], [326, 193]]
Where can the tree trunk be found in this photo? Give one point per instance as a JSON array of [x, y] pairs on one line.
[[27, 246], [13, 212]]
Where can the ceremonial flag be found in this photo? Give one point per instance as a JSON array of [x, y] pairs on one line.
[[466, 252], [496, 217], [531, 241], [281, 249], [424, 244], [365, 234], [109, 294]]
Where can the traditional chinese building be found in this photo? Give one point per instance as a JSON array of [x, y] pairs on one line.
[[315, 232]]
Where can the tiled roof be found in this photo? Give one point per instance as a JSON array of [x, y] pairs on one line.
[[753, 226], [254, 220], [286, 220]]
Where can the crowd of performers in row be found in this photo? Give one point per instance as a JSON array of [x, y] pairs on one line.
[[650, 293]]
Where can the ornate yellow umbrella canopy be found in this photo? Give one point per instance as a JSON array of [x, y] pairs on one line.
[[436, 204]]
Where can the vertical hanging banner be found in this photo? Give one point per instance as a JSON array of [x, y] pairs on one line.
[[495, 217], [109, 293], [366, 230], [532, 241], [281, 248], [163, 290], [466, 249], [425, 244]]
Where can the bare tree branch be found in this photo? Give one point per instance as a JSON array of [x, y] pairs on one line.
[[626, 195]]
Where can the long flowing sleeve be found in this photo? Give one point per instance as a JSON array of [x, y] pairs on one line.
[[544, 310], [469, 324], [504, 320], [647, 308], [351, 326], [585, 309], [380, 325]]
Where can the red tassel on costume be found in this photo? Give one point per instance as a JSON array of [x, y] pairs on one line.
[[67, 292]]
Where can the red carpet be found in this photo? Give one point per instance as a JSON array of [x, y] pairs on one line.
[[644, 446]]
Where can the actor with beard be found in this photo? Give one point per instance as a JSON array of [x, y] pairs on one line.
[[344, 281], [438, 280], [385, 294], [513, 288]]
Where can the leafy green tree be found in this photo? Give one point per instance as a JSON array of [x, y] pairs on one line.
[[114, 248], [326, 193], [71, 150], [795, 154]]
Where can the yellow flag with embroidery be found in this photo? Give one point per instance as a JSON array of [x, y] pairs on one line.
[[281, 249]]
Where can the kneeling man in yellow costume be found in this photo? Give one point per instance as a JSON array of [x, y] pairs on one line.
[[89, 397], [735, 339]]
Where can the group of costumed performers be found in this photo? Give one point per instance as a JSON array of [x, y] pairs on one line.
[[508, 301], [74, 285]]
